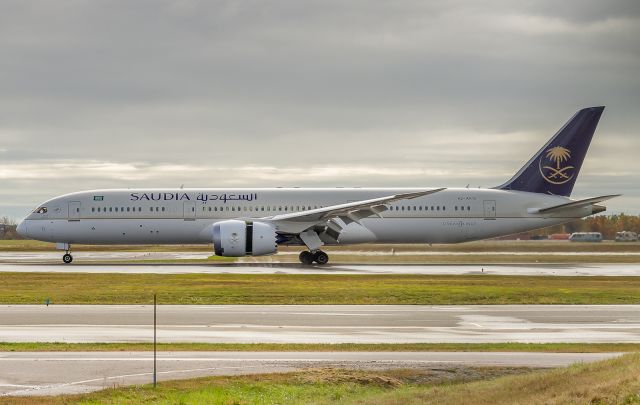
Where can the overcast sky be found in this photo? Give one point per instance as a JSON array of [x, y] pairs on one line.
[[155, 93]]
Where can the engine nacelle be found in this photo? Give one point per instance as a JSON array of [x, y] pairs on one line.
[[243, 238]]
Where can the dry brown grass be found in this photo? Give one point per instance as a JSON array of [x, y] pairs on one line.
[[615, 381]]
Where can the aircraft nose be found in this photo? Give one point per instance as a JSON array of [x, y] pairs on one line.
[[22, 228]]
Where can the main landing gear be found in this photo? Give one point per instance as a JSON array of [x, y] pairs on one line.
[[318, 256]]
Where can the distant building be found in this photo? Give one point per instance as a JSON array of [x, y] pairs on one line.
[[2, 229]]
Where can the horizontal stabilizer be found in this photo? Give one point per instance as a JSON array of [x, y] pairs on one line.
[[573, 204]]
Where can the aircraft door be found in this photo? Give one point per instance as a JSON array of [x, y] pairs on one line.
[[189, 210], [74, 210], [489, 209]]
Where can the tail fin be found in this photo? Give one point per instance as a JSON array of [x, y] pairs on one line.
[[554, 169]]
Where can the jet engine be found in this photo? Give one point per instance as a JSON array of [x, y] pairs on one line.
[[243, 238]]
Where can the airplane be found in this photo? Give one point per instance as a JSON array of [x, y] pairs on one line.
[[256, 221]]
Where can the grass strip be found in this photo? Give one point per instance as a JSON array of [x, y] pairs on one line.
[[342, 347], [109, 288], [615, 381]]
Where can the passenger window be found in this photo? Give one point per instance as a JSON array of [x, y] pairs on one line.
[[438, 208], [403, 208], [151, 209], [444, 208], [128, 209], [93, 209], [468, 208], [110, 209], [421, 208], [98, 209], [432, 208], [116, 209], [162, 209]]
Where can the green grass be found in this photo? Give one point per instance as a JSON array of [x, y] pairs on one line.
[[615, 381], [105, 288], [322, 347]]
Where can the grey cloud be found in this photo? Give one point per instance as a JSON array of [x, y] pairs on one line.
[[459, 91]]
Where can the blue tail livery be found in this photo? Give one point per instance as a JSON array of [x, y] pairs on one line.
[[555, 167]]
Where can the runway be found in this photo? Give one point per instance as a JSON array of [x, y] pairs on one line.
[[51, 373], [321, 323], [282, 268]]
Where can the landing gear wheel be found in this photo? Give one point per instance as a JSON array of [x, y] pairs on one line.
[[67, 258], [321, 257], [306, 257]]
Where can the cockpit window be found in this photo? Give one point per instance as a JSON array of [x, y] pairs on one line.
[[41, 210]]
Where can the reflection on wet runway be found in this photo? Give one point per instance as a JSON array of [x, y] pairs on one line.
[[49, 262]]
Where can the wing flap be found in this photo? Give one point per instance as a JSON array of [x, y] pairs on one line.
[[353, 211]]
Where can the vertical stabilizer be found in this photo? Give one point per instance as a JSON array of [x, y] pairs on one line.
[[554, 169]]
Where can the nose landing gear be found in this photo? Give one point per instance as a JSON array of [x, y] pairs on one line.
[[318, 256], [67, 258]]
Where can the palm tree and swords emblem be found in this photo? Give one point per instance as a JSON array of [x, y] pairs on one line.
[[557, 174]]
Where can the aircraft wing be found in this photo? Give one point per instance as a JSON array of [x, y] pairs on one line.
[[348, 212], [575, 204]]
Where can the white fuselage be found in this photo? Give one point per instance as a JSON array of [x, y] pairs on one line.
[[178, 216]]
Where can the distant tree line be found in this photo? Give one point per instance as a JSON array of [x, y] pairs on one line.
[[8, 228], [607, 225]]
